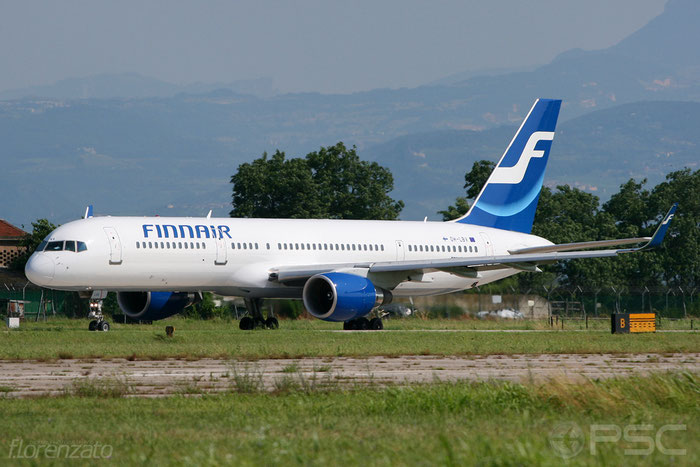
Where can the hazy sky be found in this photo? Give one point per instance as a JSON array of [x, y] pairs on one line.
[[304, 45]]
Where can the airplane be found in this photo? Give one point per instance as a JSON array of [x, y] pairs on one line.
[[341, 269]]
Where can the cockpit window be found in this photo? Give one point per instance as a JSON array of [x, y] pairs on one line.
[[82, 247], [41, 246], [70, 245], [54, 246]]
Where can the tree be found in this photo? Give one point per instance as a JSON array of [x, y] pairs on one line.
[[474, 179], [460, 208], [329, 183], [40, 230]]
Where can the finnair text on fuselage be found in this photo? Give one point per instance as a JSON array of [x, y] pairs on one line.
[[185, 231]]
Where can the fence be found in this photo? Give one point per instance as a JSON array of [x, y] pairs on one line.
[[573, 301], [38, 301]]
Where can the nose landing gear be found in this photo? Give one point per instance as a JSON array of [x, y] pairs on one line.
[[98, 322]]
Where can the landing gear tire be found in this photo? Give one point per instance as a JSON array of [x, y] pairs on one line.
[[272, 323], [362, 324], [348, 325], [246, 323], [376, 324], [103, 326], [93, 325]]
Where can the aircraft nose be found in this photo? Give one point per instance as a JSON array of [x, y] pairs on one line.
[[40, 269]]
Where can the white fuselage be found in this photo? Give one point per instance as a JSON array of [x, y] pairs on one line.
[[236, 256]]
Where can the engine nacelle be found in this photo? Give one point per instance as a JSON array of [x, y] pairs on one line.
[[152, 306], [337, 296]]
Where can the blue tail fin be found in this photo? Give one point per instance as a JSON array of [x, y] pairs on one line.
[[509, 198]]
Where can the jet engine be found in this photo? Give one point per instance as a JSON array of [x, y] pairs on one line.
[[152, 306], [337, 296]]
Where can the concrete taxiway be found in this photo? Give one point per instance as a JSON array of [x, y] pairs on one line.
[[161, 377]]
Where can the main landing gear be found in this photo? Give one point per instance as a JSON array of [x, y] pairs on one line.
[[363, 324], [98, 322], [255, 318]]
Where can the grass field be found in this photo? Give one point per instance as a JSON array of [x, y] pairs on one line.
[[449, 424], [64, 338]]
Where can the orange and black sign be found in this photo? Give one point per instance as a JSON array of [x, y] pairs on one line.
[[624, 323]]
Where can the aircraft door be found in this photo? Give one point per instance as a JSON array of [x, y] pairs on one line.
[[488, 246], [400, 252], [115, 245], [221, 253]]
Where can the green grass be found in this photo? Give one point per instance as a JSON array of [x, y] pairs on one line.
[[443, 424], [64, 338]]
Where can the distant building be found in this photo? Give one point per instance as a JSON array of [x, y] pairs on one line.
[[10, 238]]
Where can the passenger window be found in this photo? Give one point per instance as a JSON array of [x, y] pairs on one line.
[[279, 246], [353, 247], [185, 245], [256, 246], [54, 246], [245, 247], [382, 247], [197, 245], [204, 246], [250, 246], [162, 245], [476, 250], [302, 246], [371, 247], [268, 246], [179, 245], [191, 246], [138, 245]]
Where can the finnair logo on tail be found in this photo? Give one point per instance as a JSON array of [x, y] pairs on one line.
[[668, 219], [514, 175]]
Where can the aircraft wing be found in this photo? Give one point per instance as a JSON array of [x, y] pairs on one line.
[[525, 259]]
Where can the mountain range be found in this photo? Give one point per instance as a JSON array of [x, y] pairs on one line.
[[133, 145]]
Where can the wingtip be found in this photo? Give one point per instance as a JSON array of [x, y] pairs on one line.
[[661, 230]]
